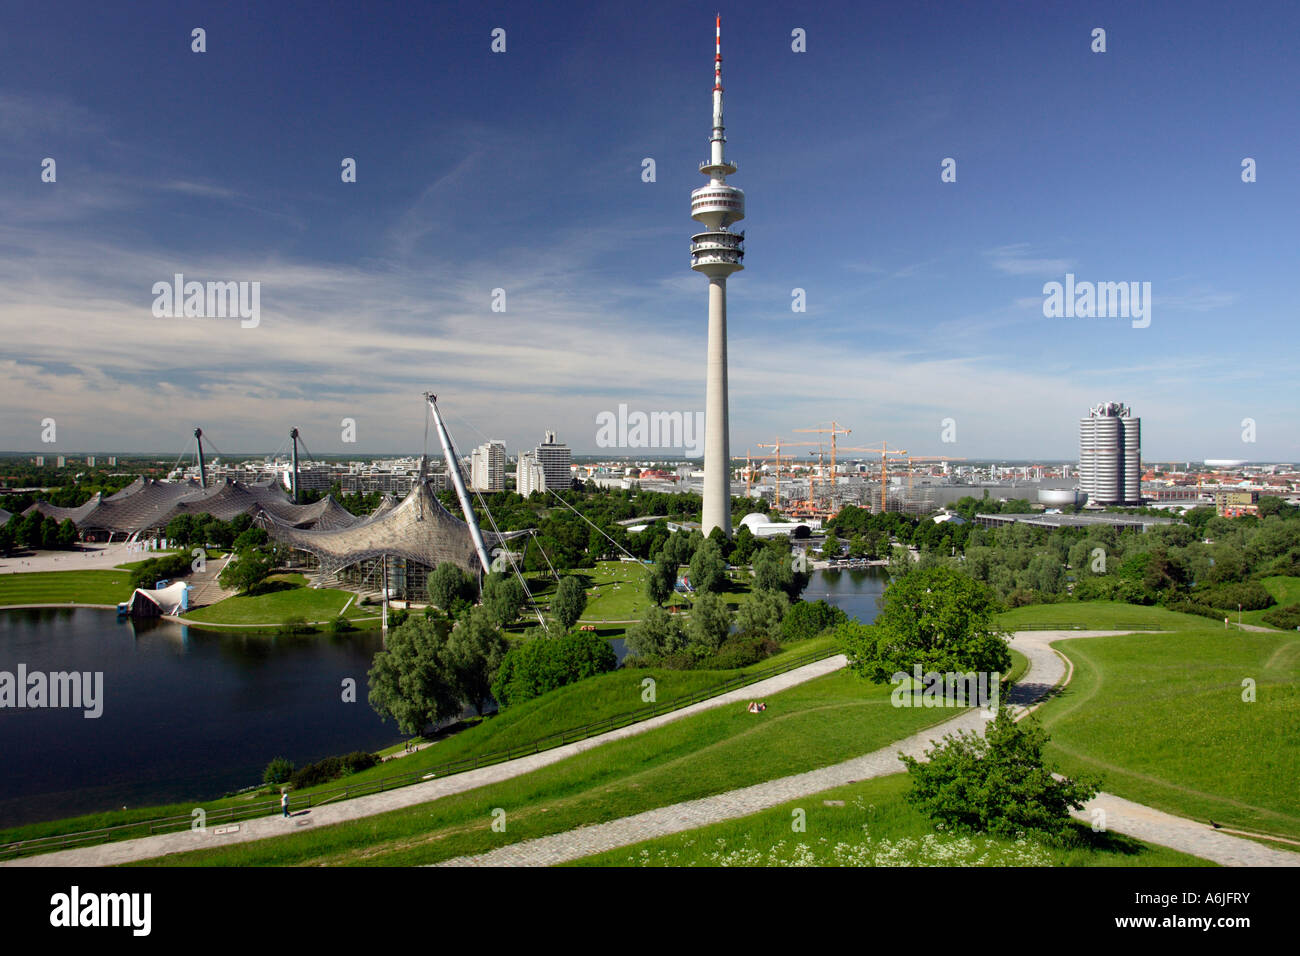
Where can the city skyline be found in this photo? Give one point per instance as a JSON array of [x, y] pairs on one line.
[[924, 298]]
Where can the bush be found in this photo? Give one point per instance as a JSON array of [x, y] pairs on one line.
[[1251, 595], [296, 625], [805, 619], [278, 771], [1194, 607], [544, 663], [331, 768], [996, 783], [157, 569], [340, 625], [1287, 618], [741, 651]]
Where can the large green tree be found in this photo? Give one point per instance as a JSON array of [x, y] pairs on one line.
[[503, 596], [657, 633], [661, 577], [475, 651], [450, 587], [247, 570], [569, 602], [413, 680], [710, 622], [936, 617], [708, 567]]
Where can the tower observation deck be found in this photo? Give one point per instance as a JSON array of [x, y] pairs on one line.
[[717, 253]]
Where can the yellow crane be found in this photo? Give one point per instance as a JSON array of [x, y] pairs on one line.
[[778, 445], [884, 453], [833, 431]]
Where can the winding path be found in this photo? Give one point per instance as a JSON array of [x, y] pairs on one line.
[[1046, 669]]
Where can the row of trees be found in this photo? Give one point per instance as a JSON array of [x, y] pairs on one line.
[[37, 532]]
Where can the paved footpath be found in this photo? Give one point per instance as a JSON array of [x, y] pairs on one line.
[[1046, 669], [259, 828]]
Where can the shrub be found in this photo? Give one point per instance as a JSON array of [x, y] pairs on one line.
[[996, 783], [544, 663], [741, 650], [156, 569], [331, 768], [296, 625], [1194, 607], [808, 619], [278, 771], [1287, 618], [340, 625], [1251, 595]]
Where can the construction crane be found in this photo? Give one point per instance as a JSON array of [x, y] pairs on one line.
[[884, 452], [832, 431], [778, 445]]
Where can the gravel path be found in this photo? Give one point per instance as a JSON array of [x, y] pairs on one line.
[[1046, 669]]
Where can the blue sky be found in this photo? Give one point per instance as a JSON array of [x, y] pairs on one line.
[[522, 171]]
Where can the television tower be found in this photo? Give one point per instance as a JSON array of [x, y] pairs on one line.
[[717, 253]]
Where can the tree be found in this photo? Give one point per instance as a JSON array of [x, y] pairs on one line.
[[708, 568], [656, 635], [831, 546], [67, 537], [569, 602], [475, 651], [709, 625], [761, 613], [938, 618], [413, 679], [996, 783], [743, 547], [719, 537], [771, 572], [503, 596], [660, 580], [247, 570], [250, 538], [449, 584]]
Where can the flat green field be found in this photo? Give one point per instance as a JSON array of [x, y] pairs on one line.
[[1096, 615], [62, 587], [275, 607], [871, 826], [617, 592], [1162, 716], [812, 725]]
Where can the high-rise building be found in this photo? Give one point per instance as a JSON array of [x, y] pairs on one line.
[[716, 253], [555, 459], [1110, 455], [40, 461], [487, 466], [530, 476], [61, 461]]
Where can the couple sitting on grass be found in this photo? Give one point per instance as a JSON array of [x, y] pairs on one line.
[[757, 706]]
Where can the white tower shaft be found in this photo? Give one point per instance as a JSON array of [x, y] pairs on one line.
[[717, 253]]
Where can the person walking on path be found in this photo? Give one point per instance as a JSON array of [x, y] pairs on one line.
[[284, 801]]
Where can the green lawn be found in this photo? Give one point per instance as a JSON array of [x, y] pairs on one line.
[[824, 721], [276, 607], [1162, 717], [1096, 615], [874, 826], [62, 587]]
